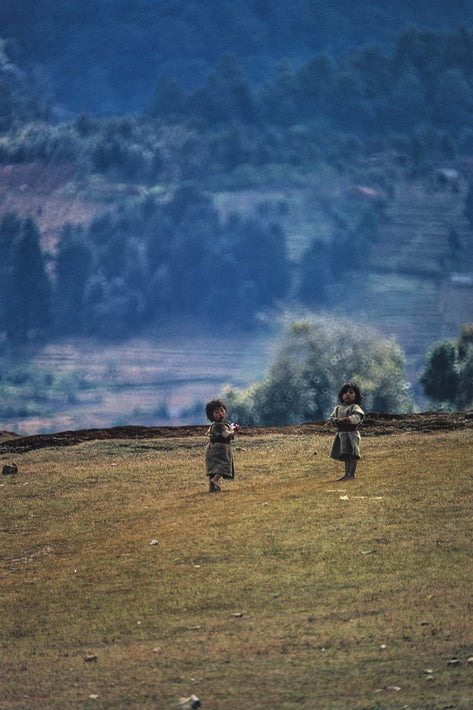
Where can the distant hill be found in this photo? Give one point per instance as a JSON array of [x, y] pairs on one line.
[[105, 57], [410, 289], [417, 284]]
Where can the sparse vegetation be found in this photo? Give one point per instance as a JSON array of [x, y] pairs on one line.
[[286, 591]]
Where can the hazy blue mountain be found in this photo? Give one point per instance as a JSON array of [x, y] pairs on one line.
[[105, 56]]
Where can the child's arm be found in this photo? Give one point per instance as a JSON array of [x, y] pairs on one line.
[[234, 429], [224, 431], [333, 419], [356, 417]]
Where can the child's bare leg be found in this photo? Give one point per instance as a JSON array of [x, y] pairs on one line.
[[352, 466], [214, 483], [347, 469]]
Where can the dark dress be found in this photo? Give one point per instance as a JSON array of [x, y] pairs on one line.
[[219, 454]]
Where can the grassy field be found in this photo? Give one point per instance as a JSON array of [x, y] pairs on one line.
[[287, 590]]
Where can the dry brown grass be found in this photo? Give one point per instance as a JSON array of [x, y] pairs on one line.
[[288, 590]]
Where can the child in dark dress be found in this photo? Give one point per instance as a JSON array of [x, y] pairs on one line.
[[219, 454]]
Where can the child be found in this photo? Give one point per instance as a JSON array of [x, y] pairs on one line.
[[346, 417], [218, 454]]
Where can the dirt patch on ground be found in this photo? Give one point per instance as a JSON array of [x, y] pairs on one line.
[[375, 424]]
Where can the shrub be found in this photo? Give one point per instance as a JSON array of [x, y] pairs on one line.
[[315, 357], [447, 377]]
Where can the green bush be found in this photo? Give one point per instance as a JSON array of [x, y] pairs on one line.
[[315, 357], [447, 377]]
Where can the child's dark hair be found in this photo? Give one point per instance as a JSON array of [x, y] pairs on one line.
[[350, 386], [210, 408]]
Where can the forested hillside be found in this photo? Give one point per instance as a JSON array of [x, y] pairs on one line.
[[257, 187], [105, 57]]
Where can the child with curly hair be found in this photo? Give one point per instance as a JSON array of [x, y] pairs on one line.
[[219, 454]]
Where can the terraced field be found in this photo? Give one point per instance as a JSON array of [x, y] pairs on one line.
[[145, 381], [409, 291]]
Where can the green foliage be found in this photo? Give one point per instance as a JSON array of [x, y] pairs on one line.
[[18, 97], [316, 274], [468, 211], [326, 110], [315, 357], [74, 263], [447, 377], [151, 260], [26, 288]]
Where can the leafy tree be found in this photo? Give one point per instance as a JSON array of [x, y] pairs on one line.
[[315, 274], [315, 357], [73, 267], [452, 101], [233, 147], [440, 376], [279, 99], [10, 227], [447, 377], [28, 288], [260, 260], [19, 102], [168, 99], [315, 79], [226, 94], [407, 98], [410, 47], [468, 209]]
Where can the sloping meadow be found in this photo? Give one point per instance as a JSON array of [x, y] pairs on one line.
[[124, 583]]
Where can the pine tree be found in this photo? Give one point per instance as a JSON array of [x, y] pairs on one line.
[[28, 292]]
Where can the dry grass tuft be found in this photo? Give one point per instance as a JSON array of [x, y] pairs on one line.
[[288, 590]]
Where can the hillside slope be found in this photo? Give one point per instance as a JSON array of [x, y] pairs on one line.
[[128, 586], [106, 57], [410, 290]]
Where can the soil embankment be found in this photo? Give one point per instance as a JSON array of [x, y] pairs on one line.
[[375, 424]]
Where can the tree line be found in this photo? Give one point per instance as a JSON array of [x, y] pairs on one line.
[[152, 259], [415, 100], [104, 54], [426, 80], [141, 263]]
